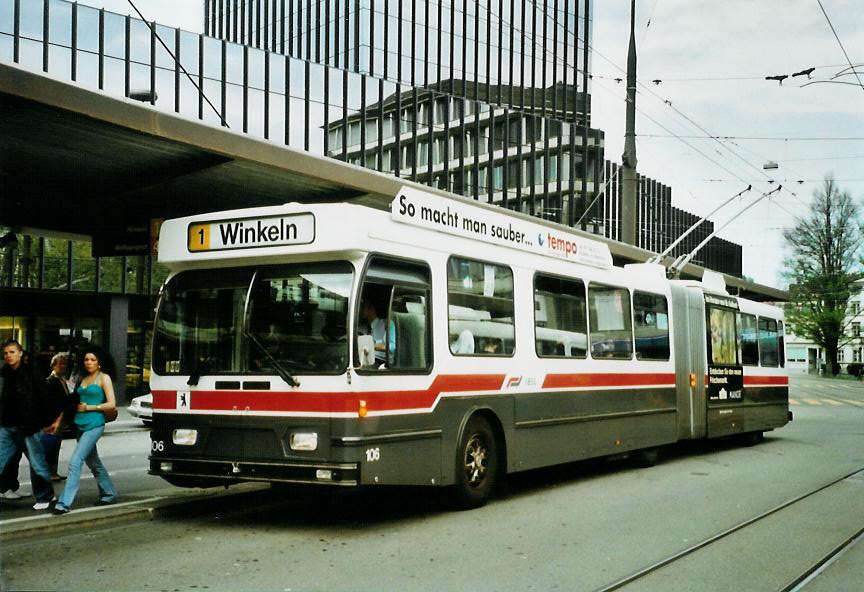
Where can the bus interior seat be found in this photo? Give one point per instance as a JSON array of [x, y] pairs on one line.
[[464, 343], [410, 340]]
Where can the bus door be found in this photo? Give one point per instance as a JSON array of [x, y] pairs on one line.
[[689, 329]]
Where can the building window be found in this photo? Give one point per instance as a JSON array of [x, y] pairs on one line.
[[841, 355], [856, 329], [856, 354]]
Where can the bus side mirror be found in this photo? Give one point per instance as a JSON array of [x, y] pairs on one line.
[[366, 350]]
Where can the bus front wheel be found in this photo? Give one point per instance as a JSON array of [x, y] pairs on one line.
[[477, 464]]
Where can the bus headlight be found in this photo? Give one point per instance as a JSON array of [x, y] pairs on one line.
[[304, 441], [185, 437]]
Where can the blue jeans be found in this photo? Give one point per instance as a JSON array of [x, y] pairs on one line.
[[51, 443], [15, 439], [86, 451]]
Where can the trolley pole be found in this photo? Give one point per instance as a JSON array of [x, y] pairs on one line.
[[628, 159]]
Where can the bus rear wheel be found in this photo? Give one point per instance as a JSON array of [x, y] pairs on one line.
[[477, 464]]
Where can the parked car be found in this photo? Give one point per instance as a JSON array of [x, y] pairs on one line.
[[142, 408]]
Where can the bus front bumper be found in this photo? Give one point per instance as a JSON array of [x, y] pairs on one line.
[[318, 473]]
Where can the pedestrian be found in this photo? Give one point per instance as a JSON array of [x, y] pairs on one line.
[[62, 406], [96, 395], [9, 484], [21, 419]]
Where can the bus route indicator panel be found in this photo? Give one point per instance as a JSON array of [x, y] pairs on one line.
[[251, 233]]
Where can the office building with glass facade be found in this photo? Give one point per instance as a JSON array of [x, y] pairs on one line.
[[484, 99], [488, 99]]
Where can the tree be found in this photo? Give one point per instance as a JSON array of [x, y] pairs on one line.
[[823, 268]]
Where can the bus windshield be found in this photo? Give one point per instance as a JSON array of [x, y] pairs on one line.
[[255, 320]]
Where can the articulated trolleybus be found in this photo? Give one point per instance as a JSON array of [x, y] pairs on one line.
[[443, 343]]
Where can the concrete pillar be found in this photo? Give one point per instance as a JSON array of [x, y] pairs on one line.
[[118, 331]]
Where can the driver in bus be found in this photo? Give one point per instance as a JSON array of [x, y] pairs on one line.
[[376, 328]]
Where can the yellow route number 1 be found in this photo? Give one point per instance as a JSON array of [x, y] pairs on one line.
[[199, 237]]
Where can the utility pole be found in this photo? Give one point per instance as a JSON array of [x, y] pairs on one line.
[[628, 170]]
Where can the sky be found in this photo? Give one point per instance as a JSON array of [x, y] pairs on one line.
[[711, 58]]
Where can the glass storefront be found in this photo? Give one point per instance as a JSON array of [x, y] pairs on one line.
[[44, 336]]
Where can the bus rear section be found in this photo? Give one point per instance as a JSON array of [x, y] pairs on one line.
[[747, 384]]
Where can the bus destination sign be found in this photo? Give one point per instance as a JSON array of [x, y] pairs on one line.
[[251, 233], [420, 209]]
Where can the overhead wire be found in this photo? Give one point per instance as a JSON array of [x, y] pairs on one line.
[[840, 43], [561, 59]]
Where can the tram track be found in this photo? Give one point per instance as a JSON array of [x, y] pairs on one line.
[[824, 563], [796, 584]]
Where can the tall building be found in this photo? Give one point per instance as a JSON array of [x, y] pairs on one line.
[[486, 98], [489, 99]]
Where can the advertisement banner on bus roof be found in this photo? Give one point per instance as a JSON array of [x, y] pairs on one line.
[[434, 213]]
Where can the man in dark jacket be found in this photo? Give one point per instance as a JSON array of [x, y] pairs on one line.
[[59, 412], [21, 416]]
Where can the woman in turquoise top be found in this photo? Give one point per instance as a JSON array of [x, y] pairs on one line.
[[96, 392]]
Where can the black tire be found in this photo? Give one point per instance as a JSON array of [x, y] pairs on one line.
[[477, 464], [647, 457], [753, 438]]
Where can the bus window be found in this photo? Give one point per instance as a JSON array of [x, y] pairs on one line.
[[480, 308], [768, 348], [609, 322], [721, 336], [748, 344], [781, 341], [198, 327], [394, 311], [651, 326], [560, 320], [298, 318]]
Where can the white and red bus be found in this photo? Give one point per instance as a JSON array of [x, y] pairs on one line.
[[444, 343]]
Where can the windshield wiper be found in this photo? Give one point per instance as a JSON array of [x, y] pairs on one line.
[[195, 375], [283, 373]]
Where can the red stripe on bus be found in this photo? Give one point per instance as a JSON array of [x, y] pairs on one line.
[[766, 381], [607, 380], [338, 402]]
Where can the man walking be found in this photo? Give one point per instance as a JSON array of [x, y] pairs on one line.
[[21, 418]]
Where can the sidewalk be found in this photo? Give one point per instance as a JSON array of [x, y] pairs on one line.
[[18, 520], [140, 507]]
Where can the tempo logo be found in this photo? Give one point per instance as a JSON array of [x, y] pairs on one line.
[[562, 245]]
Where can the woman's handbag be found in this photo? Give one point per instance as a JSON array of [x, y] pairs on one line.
[[110, 415]]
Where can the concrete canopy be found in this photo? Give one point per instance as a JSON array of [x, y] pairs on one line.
[[74, 160]]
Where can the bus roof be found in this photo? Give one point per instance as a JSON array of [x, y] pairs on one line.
[[306, 229]]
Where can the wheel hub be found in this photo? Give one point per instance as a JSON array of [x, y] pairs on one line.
[[475, 461]]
